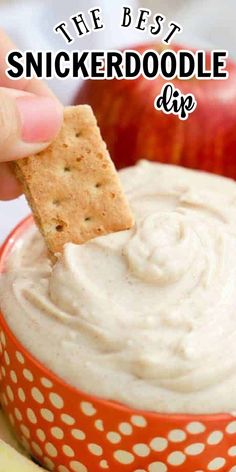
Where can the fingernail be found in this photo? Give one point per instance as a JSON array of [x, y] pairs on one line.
[[40, 117]]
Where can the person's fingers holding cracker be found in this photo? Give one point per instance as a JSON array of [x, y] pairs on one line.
[[28, 123], [10, 187], [30, 118]]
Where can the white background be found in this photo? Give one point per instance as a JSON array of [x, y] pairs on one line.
[[209, 23]]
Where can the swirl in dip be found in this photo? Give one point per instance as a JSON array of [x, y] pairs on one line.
[[146, 317]]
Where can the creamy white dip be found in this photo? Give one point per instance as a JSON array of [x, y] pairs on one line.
[[146, 317]]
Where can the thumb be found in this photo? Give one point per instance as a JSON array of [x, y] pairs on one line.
[[28, 123]]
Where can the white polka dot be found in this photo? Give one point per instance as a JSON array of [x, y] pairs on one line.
[[41, 435], [3, 339], [232, 451], [68, 451], [157, 467], [6, 358], [104, 464], [47, 415], [78, 467], [88, 408], [4, 399], [10, 393], [62, 468], [216, 464], [3, 370], [57, 433], [158, 444], [99, 425], [176, 458], [13, 376], [21, 394], [195, 427], [37, 449], [25, 443], [113, 437], [37, 395], [215, 438], [51, 450], [12, 421], [141, 450], [18, 414], [46, 383], [28, 375], [31, 416], [124, 457], [195, 449], [49, 464], [20, 358], [25, 431], [177, 435], [56, 401], [139, 421], [233, 469], [67, 419], [78, 434], [95, 449], [125, 428], [231, 428]]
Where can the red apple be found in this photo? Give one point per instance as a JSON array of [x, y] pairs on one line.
[[133, 129]]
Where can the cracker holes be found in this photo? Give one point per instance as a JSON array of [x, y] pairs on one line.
[[87, 218], [59, 228], [67, 169], [98, 185]]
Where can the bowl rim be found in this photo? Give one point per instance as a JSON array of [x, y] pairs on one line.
[[5, 250]]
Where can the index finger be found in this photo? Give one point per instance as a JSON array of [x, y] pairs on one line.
[[30, 85]]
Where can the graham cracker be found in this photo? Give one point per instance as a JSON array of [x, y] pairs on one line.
[[72, 187]]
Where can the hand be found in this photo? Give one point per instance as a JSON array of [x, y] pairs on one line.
[[30, 117]]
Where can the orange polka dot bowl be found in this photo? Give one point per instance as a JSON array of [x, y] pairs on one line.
[[68, 430]]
